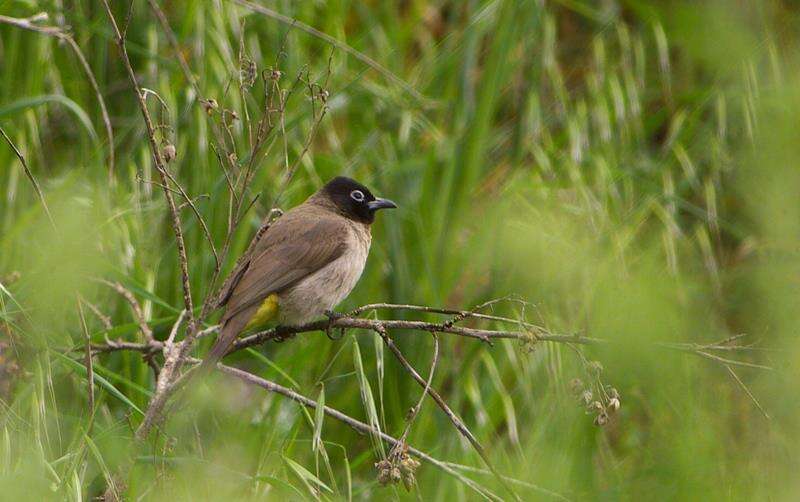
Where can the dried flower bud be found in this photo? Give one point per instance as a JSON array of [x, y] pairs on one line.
[[169, 153], [12, 277], [595, 407], [601, 420], [409, 465], [384, 472], [408, 482], [276, 74], [324, 95], [396, 475], [595, 367], [576, 386], [210, 106], [586, 396], [248, 72], [613, 405]]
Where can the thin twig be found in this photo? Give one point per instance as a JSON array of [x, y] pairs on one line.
[[484, 335], [352, 422], [435, 310], [171, 364], [138, 313], [747, 391], [104, 319], [30, 176], [457, 422], [338, 44], [416, 409]]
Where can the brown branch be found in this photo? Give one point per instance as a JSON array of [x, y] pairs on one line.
[[435, 310], [172, 364], [425, 391], [454, 418], [138, 314], [390, 324], [187, 72], [353, 423]]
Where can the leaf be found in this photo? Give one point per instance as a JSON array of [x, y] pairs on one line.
[[102, 382], [305, 475], [319, 418], [367, 399], [277, 482], [34, 101], [99, 458]]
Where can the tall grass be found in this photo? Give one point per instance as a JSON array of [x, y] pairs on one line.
[[629, 169]]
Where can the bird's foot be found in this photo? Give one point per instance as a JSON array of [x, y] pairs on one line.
[[283, 333], [332, 318]]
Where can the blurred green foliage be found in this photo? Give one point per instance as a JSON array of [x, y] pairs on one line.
[[630, 167]]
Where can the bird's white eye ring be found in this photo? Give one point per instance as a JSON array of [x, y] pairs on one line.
[[357, 195]]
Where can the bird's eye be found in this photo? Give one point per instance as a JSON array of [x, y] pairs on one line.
[[357, 195]]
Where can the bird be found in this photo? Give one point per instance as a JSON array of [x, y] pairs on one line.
[[303, 266]]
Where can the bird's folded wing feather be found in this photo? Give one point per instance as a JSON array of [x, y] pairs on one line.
[[296, 246]]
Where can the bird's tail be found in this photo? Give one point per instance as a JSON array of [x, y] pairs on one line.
[[227, 335]]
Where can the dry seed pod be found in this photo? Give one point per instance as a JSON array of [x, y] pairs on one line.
[[169, 152], [613, 405], [210, 106], [601, 420], [586, 396], [595, 367]]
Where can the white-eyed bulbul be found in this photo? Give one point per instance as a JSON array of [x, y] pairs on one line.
[[304, 265]]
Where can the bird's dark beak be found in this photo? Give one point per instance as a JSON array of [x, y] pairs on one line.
[[379, 203]]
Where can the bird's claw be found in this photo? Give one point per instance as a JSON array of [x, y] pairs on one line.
[[333, 317]]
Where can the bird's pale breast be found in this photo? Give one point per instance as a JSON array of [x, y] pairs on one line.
[[327, 287]]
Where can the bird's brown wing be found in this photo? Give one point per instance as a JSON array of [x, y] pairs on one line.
[[298, 244], [242, 265]]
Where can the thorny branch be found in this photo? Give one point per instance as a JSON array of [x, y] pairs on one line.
[[172, 364], [275, 101], [382, 327], [357, 425]]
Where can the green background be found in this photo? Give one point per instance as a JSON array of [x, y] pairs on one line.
[[628, 167]]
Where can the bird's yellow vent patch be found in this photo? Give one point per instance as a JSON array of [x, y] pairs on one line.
[[267, 312]]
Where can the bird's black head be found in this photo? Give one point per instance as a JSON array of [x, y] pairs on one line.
[[353, 199]]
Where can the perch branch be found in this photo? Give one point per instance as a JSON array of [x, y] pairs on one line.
[[454, 418]]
